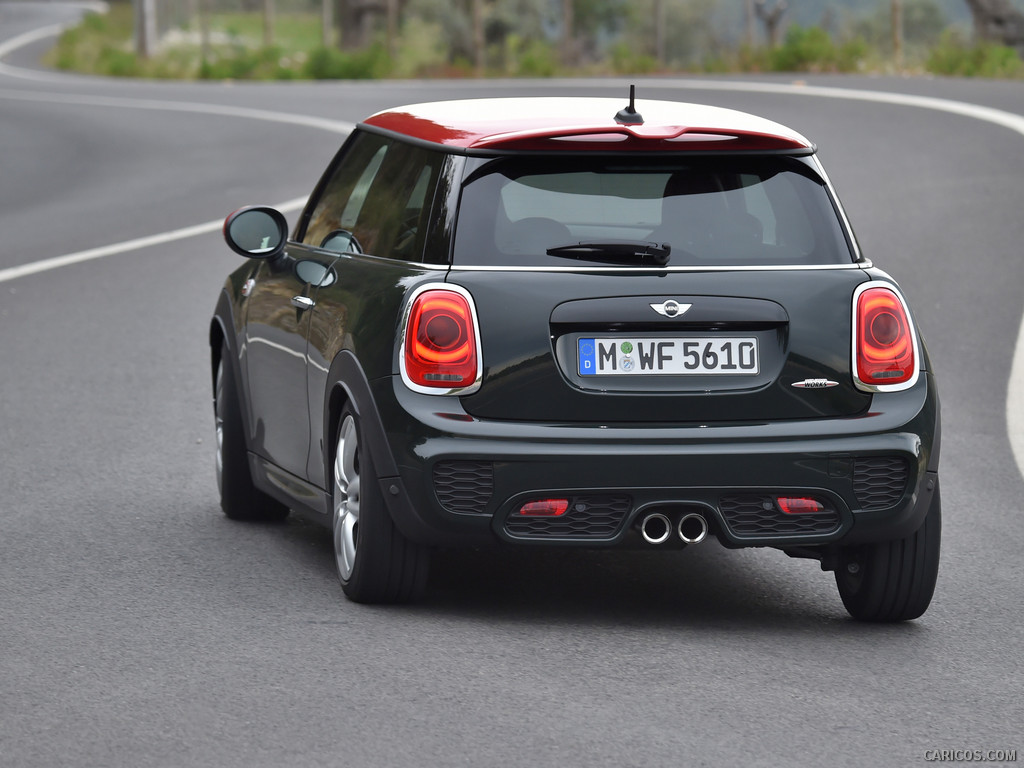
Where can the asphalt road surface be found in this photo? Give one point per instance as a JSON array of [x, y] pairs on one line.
[[140, 627]]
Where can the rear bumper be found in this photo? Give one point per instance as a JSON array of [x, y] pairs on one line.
[[461, 480]]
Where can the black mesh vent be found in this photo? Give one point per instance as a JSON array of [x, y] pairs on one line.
[[880, 481], [588, 517], [464, 486], [752, 515]]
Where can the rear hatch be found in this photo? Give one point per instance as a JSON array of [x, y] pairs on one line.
[[591, 347], [657, 289]]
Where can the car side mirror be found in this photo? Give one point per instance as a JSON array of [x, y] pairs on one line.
[[257, 232]]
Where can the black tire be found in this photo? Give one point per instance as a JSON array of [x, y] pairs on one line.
[[375, 562], [239, 498], [893, 580]]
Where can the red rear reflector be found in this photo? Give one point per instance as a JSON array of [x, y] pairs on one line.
[[545, 508], [884, 341], [799, 505], [440, 341]]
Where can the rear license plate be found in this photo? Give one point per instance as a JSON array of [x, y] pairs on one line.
[[677, 357]]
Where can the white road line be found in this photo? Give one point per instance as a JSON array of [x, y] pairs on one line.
[[13, 273], [307, 121], [1015, 391], [27, 38], [34, 35], [1015, 402]]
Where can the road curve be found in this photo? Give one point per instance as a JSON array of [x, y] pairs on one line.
[[138, 626]]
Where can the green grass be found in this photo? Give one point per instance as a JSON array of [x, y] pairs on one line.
[[292, 32], [83, 48]]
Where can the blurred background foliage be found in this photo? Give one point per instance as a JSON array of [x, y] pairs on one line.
[[360, 39]]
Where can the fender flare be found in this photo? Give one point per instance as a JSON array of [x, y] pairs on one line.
[[348, 384], [222, 333]]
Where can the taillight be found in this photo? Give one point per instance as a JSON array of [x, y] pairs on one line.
[[799, 505], [545, 508], [884, 352], [441, 352]]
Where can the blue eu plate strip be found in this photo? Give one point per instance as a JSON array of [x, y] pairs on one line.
[[587, 357]]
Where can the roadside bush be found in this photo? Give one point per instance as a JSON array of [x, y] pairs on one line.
[[753, 59], [626, 60], [420, 50], [805, 48], [811, 49], [99, 42], [117, 62], [241, 63], [332, 64], [955, 57], [852, 55], [536, 58]]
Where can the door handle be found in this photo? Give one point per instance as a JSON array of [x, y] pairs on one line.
[[302, 302]]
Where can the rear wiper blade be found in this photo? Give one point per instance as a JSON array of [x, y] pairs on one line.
[[638, 252]]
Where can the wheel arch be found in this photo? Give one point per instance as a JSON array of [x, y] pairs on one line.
[[223, 334], [348, 384], [217, 342], [219, 337]]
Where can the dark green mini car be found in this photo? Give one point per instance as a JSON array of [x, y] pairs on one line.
[[577, 323]]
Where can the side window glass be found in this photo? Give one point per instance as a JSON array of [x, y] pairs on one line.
[[393, 219], [343, 196], [350, 215], [378, 201]]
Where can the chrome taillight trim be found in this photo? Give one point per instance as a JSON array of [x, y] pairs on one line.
[[854, 326], [407, 311]]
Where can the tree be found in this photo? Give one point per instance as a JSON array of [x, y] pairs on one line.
[[897, 31], [145, 28], [998, 21], [479, 40], [327, 23], [772, 19], [923, 23], [357, 20], [569, 57], [268, 23]]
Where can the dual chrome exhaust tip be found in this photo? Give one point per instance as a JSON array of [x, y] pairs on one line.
[[656, 528]]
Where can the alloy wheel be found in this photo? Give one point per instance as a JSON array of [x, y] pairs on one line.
[[346, 498]]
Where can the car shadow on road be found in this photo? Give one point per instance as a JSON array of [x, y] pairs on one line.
[[704, 586], [701, 585]]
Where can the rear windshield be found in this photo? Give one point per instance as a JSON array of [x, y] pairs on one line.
[[710, 211]]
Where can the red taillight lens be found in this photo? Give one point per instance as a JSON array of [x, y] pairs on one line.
[[440, 341], [884, 339], [799, 505], [545, 508]]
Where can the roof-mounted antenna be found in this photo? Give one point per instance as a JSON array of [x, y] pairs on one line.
[[629, 115]]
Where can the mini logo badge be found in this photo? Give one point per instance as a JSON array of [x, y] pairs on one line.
[[815, 384], [670, 308]]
